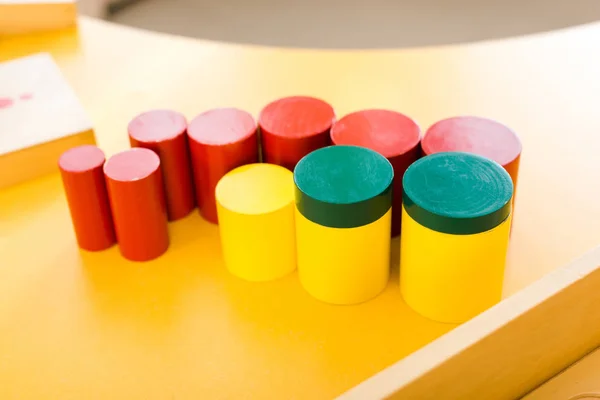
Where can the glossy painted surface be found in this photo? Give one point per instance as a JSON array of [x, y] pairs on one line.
[[164, 132], [96, 326], [451, 278], [255, 204], [85, 190], [137, 200], [220, 140], [343, 186], [292, 127]]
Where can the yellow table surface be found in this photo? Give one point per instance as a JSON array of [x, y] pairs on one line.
[[76, 325]]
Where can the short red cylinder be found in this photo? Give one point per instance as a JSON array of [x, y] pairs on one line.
[[220, 140], [391, 134], [481, 136], [164, 132], [85, 189], [136, 193], [292, 127]]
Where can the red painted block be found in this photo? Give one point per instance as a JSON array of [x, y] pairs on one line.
[[477, 135], [137, 199], [292, 127], [391, 134], [164, 132], [85, 189], [220, 140]]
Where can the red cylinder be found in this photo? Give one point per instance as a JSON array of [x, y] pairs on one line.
[[220, 140], [477, 135], [292, 127], [164, 132], [391, 134], [85, 189], [136, 194]]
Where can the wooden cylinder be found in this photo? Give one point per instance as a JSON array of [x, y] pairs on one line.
[[476, 135], [164, 132], [343, 219], [455, 233], [220, 140], [391, 134], [255, 204], [292, 127], [137, 198], [85, 190]]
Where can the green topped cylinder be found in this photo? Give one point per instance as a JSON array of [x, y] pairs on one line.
[[343, 222]]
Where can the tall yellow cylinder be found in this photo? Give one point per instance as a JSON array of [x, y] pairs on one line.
[[343, 222], [455, 233], [255, 206]]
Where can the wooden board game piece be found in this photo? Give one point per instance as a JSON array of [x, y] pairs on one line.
[[137, 199], [220, 140], [292, 127], [343, 221], [477, 135], [164, 132], [29, 16], [455, 231], [85, 189], [391, 134], [40, 118], [255, 204]]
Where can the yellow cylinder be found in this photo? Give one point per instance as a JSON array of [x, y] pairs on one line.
[[343, 265], [343, 222], [255, 206], [451, 278], [456, 218]]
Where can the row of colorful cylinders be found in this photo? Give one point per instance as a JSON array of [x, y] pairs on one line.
[[339, 238]]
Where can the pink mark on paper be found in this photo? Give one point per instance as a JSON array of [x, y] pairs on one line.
[[5, 102], [26, 96]]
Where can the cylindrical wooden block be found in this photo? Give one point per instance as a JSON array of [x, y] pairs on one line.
[[255, 204], [220, 140], [391, 134], [164, 132], [292, 127], [476, 135], [455, 232], [85, 189], [343, 219], [137, 198]]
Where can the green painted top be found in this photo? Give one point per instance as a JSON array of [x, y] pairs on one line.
[[343, 186], [457, 193]]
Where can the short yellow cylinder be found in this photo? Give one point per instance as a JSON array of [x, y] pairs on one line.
[[255, 206], [456, 220], [343, 222]]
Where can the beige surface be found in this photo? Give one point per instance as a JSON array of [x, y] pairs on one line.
[[581, 381], [80, 325], [356, 23]]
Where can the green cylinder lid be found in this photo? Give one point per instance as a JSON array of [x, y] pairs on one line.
[[343, 186], [457, 193]]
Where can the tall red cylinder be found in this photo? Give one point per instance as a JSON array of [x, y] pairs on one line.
[[292, 127], [164, 132], [137, 199], [85, 189], [391, 134], [481, 136], [220, 140]]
